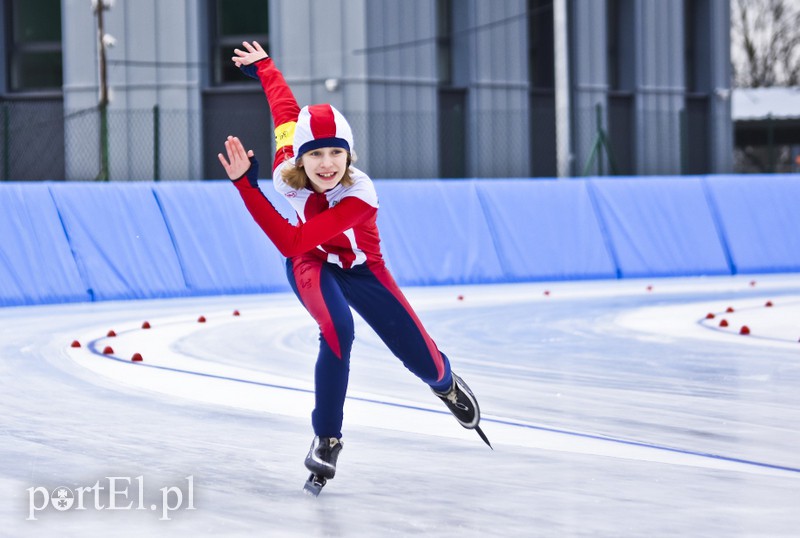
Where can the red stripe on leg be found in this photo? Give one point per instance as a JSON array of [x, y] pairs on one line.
[[307, 277]]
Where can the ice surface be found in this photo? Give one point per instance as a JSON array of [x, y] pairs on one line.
[[614, 410]]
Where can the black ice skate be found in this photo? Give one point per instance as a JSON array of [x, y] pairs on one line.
[[462, 403], [321, 461]]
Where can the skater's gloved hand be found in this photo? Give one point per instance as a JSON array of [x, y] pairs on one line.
[[252, 172], [246, 60], [240, 162]]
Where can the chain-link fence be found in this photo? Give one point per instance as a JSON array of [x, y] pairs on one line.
[[136, 145], [781, 159], [31, 140], [38, 141], [768, 145]]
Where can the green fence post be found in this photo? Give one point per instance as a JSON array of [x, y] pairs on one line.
[[103, 176], [600, 143], [600, 136], [156, 144], [6, 142], [684, 142], [771, 145]]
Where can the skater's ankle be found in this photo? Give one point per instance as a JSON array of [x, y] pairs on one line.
[[444, 386]]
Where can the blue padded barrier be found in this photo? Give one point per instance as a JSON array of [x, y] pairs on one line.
[[119, 239], [545, 229], [435, 232], [659, 226], [220, 247], [759, 216], [63, 242], [36, 263]]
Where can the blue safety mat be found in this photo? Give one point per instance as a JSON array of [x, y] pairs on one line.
[[659, 226], [119, 239], [36, 264], [435, 232], [545, 229], [66, 241], [759, 218], [220, 247]]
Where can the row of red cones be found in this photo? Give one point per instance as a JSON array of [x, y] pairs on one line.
[[744, 329], [137, 357]]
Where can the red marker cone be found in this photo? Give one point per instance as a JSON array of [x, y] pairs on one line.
[[146, 325], [710, 315], [723, 323], [75, 343], [236, 313], [729, 309], [744, 330], [111, 333], [768, 304], [137, 357], [108, 350], [201, 319]]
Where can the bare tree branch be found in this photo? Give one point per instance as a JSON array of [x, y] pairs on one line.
[[765, 42]]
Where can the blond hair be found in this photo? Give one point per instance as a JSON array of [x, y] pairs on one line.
[[295, 175]]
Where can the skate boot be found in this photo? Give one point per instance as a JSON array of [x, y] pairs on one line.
[[462, 403], [322, 456], [321, 461]]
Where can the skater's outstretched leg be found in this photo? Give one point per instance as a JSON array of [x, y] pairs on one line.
[[322, 456]]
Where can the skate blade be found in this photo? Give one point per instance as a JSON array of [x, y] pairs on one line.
[[314, 485], [483, 436]]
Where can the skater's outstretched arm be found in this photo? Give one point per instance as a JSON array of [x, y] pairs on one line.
[[255, 63], [242, 167]]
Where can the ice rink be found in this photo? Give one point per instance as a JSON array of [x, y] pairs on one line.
[[616, 408]]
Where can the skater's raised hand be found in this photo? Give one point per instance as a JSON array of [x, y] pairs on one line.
[[238, 162], [252, 53]]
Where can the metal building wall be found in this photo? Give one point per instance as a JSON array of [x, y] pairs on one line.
[[498, 96], [382, 57], [400, 57], [653, 69], [313, 41], [660, 88], [155, 61], [589, 75], [719, 42], [386, 67]]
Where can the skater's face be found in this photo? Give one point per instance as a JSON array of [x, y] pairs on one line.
[[325, 167]]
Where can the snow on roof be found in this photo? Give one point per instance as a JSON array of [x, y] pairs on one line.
[[758, 103]]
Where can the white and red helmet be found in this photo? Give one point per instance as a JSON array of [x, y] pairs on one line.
[[321, 126]]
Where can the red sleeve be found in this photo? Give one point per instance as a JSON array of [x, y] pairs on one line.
[[294, 240], [283, 107]]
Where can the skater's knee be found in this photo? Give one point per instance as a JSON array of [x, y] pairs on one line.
[[339, 336]]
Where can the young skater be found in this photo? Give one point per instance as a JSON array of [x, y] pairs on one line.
[[333, 255]]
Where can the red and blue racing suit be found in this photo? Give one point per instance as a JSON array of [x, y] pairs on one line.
[[333, 263]]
